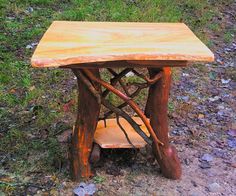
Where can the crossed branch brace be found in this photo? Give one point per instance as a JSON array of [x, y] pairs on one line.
[[87, 77]]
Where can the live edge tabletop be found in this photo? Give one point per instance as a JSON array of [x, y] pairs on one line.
[[85, 47], [66, 43]]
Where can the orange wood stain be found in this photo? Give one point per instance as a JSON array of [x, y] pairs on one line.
[[67, 42], [113, 137]]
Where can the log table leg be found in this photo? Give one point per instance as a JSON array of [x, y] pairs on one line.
[[156, 109], [86, 122]]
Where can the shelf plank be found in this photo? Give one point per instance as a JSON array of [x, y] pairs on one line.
[[112, 136]]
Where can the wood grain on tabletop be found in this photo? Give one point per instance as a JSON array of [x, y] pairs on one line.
[[70, 42]]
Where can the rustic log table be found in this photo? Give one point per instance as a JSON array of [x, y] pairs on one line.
[[86, 47]]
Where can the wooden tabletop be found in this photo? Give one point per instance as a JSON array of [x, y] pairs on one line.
[[67, 43]]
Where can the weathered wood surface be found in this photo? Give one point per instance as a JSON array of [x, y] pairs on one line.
[[156, 109], [83, 133], [112, 136], [67, 43]]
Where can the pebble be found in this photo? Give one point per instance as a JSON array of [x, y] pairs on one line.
[[184, 98], [207, 157], [32, 190], [205, 165], [195, 194], [214, 98], [29, 10], [85, 189], [232, 143], [185, 74], [232, 132], [214, 187], [32, 45], [220, 113], [187, 161], [223, 81]]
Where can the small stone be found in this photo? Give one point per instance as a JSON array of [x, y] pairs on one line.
[[185, 98], [232, 143], [85, 189], [187, 162], [194, 194], [194, 183], [214, 98], [205, 165], [185, 74], [223, 81], [232, 132], [32, 45], [220, 107], [220, 113], [32, 190], [90, 189], [30, 9], [29, 46], [214, 187], [207, 157]]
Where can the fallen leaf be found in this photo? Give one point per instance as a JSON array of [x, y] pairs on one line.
[[12, 90], [67, 106], [31, 88], [201, 116]]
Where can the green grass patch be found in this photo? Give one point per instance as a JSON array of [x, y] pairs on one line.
[[229, 36], [99, 179]]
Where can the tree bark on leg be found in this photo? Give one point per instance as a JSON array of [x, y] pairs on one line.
[[83, 133], [157, 109]]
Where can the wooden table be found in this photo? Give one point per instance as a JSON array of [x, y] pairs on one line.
[[85, 47]]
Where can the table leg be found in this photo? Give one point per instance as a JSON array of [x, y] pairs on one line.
[[156, 109], [83, 133]]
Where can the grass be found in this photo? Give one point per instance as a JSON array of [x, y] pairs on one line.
[[99, 179], [229, 36], [31, 100]]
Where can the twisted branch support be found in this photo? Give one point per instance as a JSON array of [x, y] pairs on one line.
[[135, 93], [113, 108], [131, 103], [116, 79], [120, 81], [140, 86], [90, 100]]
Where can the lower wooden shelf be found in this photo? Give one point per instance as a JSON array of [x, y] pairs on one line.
[[112, 136]]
